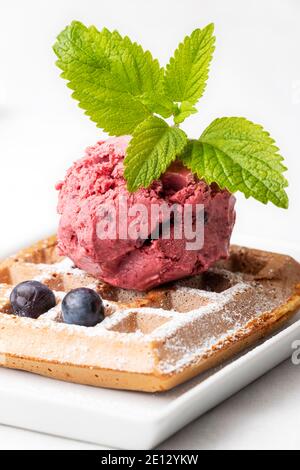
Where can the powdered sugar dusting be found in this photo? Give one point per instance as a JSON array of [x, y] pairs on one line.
[[62, 267]]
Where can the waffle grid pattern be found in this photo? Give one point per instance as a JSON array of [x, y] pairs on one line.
[[168, 328]]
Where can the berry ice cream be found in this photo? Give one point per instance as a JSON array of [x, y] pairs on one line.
[[141, 263]]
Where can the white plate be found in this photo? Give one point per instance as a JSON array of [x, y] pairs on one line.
[[131, 419]]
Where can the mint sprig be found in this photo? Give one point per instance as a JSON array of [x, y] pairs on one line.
[[124, 90]]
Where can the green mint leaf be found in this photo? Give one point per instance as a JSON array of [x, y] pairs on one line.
[[187, 71], [111, 76], [152, 149], [160, 104], [240, 156], [185, 110]]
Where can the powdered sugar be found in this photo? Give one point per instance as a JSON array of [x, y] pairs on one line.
[[62, 267]]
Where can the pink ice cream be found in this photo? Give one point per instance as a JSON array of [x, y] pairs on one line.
[[142, 263]]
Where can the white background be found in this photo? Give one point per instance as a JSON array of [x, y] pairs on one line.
[[255, 73]]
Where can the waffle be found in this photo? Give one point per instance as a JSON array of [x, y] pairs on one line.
[[148, 341]]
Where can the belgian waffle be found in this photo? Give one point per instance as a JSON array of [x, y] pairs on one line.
[[152, 341]]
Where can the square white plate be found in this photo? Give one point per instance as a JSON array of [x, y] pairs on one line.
[[133, 420]]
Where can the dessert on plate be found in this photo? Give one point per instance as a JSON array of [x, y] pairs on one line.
[[140, 288]]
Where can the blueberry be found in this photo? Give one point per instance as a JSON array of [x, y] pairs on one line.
[[82, 307], [31, 299]]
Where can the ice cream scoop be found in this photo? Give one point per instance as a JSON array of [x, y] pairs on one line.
[[96, 182]]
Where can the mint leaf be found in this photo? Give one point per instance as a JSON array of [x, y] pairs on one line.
[[160, 104], [187, 71], [185, 110], [240, 156], [113, 79], [153, 147]]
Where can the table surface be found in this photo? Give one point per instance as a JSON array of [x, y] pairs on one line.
[[43, 131]]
